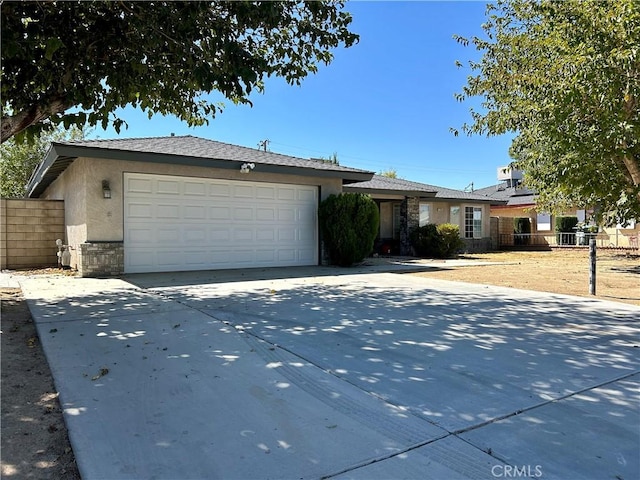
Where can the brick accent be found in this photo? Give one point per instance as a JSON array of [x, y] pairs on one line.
[[29, 229], [100, 259]]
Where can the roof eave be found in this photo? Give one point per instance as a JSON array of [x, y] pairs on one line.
[[63, 155], [387, 191]]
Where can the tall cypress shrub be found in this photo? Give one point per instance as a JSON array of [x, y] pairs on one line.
[[349, 224], [564, 226]]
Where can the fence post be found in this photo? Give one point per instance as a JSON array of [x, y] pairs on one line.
[[592, 266]]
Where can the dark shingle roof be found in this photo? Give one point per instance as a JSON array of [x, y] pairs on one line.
[[381, 184], [514, 196], [181, 150], [190, 146]]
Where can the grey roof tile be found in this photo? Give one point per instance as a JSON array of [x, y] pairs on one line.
[[379, 182], [190, 146], [512, 195]]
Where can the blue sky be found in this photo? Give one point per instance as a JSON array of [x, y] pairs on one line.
[[385, 103]]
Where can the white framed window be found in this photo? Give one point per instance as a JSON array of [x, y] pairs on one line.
[[472, 222], [425, 214]]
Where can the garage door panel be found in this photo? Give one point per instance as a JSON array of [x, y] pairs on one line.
[[195, 188], [243, 213], [168, 187], [167, 212], [286, 214], [265, 214], [243, 191], [168, 236], [219, 190], [266, 193], [182, 223], [220, 234], [195, 212], [139, 185], [243, 234], [266, 235], [140, 210], [197, 236], [220, 213], [140, 235]]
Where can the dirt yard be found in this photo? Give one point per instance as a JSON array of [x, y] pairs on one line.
[[557, 271], [34, 441]]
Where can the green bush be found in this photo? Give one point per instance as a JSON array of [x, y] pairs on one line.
[[349, 224], [566, 224], [441, 241], [450, 238], [521, 229], [521, 225], [426, 241]]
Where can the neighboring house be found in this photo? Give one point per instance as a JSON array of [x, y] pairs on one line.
[[186, 203], [521, 203], [405, 205]]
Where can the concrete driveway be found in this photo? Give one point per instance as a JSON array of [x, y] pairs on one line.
[[314, 373]]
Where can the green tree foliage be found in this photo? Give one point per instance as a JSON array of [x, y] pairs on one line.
[[437, 241], [565, 76], [18, 160], [349, 224], [333, 159], [566, 224], [160, 57], [389, 173]]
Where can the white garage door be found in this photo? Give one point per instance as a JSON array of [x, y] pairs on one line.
[[181, 223]]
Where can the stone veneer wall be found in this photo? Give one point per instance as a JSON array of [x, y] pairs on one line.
[[29, 229], [100, 259], [409, 220]]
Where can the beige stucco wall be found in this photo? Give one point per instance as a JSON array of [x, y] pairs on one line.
[[440, 213], [92, 218]]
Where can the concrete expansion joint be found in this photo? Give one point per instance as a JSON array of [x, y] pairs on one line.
[[544, 403]]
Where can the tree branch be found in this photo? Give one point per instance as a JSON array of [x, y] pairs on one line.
[[14, 124]]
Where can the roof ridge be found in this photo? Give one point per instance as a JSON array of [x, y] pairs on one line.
[[98, 140]]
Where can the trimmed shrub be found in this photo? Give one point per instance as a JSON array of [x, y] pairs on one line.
[[521, 229], [441, 241], [426, 241], [565, 225], [349, 224], [450, 238]]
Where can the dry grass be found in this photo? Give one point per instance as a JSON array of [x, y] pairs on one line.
[[558, 271]]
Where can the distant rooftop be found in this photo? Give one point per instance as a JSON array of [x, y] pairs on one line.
[[514, 196], [382, 184]]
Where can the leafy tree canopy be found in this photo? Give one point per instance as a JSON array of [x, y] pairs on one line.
[[565, 76], [18, 160], [389, 173], [158, 56]]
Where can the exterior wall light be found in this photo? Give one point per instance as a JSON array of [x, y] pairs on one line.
[[247, 167], [106, 190]]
